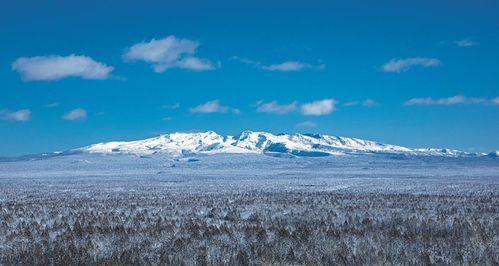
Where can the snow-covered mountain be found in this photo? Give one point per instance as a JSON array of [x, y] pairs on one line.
[[184, 144]]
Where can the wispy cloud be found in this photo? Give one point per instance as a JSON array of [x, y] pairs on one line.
[[458, 99], [55, 67], [19, 115], [167, 53], [51, 105], [369, 102], [275, 107], [465, 43], [400, 65], [353, 103], [321, 107], [306, 124], [213, 106], [366, 103], [287, 66], [167, 118], [171, 106], [75, 114]]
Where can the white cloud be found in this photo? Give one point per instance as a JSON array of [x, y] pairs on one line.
[[167, 118], [19, 115], [458, 99], [275, 107], [465, 43], [196, 64], [213, 107], [167, 53], [288, 66], [76, 114], [401, 65], [292, 66], [55, 67], [495, 100], [306, 124], [321, 107]]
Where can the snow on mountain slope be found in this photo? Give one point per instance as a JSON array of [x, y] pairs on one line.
[[183, 144], [174, 144]]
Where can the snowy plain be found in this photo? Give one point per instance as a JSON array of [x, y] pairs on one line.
[[249, 209]]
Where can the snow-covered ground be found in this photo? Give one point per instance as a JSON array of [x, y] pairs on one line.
[[389, 208]]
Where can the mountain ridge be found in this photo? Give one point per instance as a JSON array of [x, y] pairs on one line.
[[209, 142]]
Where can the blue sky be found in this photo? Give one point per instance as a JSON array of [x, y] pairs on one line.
[[413, 73]]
